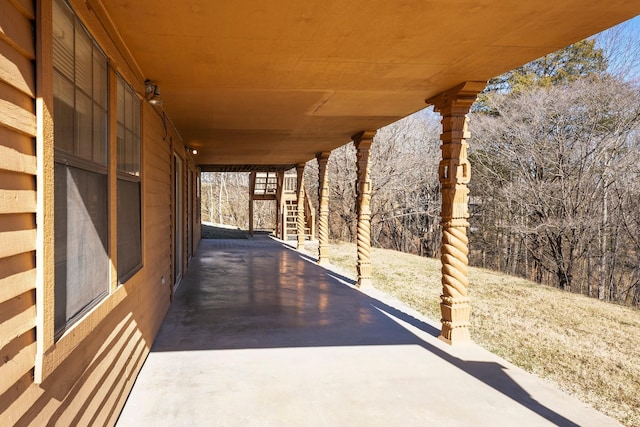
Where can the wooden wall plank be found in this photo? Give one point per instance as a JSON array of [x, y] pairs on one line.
[[15, 161], [19, 119], [90, 388], [117, 400], [17, 207], [17, 316], [16, 284], [17, 222], [16, 97], [17, 359], [16, 70], [21, 144], [16, 30], [16, 181], [26, 7], [157, 200], [17, 201], [113, 368], [17, 242]]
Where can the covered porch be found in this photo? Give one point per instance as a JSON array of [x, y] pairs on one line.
[[109, 112], [260, 334]]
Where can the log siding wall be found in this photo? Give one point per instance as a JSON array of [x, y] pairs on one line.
[[17, 200], [91, 380]]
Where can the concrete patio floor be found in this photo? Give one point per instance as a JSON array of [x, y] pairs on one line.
[[259, 335]]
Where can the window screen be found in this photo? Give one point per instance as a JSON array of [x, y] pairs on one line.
[[81, 254], [81, 193]]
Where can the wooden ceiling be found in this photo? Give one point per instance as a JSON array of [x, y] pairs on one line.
[[272, 83]]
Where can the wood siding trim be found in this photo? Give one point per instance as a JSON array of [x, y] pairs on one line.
[[45, 197]]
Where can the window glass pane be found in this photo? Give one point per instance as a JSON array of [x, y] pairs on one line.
[[136, 155], [84, 126], [99, 78], [63, 108], [129, 115], [121, 149], [63, 40], [120, 100], [99, 135], [129, 229], [81, 242], [136, 116], [83, 58], [130, 156], [128, 109]]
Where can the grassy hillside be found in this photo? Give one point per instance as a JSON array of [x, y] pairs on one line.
[[588, 347]]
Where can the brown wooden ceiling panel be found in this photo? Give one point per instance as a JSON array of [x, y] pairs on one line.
[[273, 82]]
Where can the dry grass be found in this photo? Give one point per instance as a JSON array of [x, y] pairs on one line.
[[587, 347]]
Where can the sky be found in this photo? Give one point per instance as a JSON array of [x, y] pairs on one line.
[[625, 55]]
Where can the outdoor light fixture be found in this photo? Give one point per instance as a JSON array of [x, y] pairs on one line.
[[152, 93]]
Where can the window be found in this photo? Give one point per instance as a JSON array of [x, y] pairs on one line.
[[129, 221], [81, 226]]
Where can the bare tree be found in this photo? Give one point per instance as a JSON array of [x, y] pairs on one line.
[[405, 195], [544, 170]]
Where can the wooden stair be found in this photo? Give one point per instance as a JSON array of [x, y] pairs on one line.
[[281, 187]]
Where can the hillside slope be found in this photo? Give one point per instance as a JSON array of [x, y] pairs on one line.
[[588, 347]]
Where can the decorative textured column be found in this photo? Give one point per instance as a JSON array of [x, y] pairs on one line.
[[279, 191], [455, 172], [300, 220], [252, 191], [323, 202], [363, 142]]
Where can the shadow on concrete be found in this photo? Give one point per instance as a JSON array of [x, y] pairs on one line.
[[263, 294]]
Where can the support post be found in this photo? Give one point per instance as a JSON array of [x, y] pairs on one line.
[[252, 190], [363, 143], [279, 191], [323, 202], [300, 220], [454, 173]]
